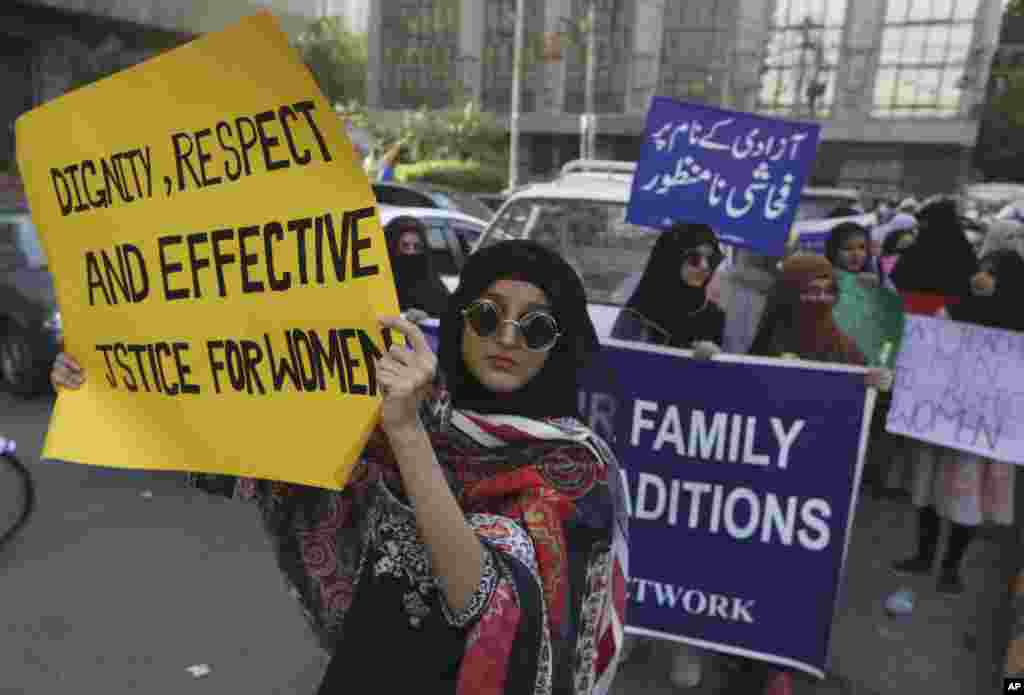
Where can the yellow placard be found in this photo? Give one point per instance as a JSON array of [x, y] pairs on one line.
[[219, 264]]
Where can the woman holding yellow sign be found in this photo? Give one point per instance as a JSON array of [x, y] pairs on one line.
[[480, 545]]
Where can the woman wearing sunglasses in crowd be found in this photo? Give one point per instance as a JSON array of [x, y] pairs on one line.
[[670, 304], [480, 545], [670, 307]]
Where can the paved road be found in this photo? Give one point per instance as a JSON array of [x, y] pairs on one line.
[[109, 592]]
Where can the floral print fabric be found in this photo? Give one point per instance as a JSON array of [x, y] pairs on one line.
[[528, 488]]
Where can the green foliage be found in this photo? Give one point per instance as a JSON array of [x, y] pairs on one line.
[[465, 147], [360, 117], [1015, 8], [467, 176], [465, 133], [337, 57], [1009, 103]]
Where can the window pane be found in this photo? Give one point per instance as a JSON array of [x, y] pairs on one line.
[[904, 89], [935, 49], [833, 42], [784, 46], [913, 45], [942, 9], [789, 86], [892, 45], [960, 42], [897, 11], [966, 9], [885, 85], [929, 82], [835, 13], [949, 94], [916, 81], [769, 86], [919, 10]]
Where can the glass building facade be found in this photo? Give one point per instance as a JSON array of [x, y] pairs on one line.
[[614, 53], [925, 58], [420, 46], [497, 58], [798, 76], [696, 50]]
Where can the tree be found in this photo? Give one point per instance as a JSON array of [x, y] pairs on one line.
[[337, 57]]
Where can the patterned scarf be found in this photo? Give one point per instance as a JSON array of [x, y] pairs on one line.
[[553, 476]]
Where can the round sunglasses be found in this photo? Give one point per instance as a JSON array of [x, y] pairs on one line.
[[538, 328]]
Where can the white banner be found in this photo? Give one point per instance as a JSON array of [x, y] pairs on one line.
[[961, 386]]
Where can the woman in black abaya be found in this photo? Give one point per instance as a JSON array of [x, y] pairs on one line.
[[418, 284], [937, 269], [670, 305]]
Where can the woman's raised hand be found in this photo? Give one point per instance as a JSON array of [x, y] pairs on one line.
[[406, 376], [66, 373]]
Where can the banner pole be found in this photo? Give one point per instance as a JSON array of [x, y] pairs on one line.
[[517, 88]]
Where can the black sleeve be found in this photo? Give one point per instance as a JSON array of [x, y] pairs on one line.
[[716, 328], [764, 339]]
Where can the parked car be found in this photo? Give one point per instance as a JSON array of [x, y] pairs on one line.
[[30, 326], [451, 236], [582, 216], [422, 195]]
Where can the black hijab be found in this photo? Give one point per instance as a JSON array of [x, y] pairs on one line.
[[663, 298], [941, 261], [1002, 309], [418, 285], [552, 392]]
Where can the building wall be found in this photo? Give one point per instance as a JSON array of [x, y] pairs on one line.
[[51, 46], [697, 50], [891, 80], [186, 16], [418, 53], [47, 52], [355, 12]]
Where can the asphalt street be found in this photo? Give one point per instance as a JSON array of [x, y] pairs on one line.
[[112, 590]]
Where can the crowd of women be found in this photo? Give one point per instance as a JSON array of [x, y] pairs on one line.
[[481, 545]]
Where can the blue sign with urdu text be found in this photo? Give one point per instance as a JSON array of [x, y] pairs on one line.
[[741, 474], [740, 173]]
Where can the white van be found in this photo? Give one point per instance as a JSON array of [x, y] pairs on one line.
[[582, 216]]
